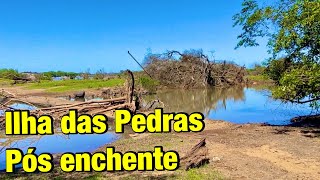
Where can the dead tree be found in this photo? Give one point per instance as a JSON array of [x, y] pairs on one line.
[[187, 70]]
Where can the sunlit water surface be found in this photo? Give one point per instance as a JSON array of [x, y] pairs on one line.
[[237, 105], [57, 143]]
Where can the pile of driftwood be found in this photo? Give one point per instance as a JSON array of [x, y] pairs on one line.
[[129, 101], [190, 70]]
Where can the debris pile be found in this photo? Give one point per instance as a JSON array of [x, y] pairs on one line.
[[129, 101], [191, 70]]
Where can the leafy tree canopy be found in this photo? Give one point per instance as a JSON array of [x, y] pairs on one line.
[[72, 75], [293, 31]]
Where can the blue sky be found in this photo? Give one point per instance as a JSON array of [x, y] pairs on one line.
[[74, 35]]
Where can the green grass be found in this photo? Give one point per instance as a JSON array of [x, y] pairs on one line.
[[73, 85], [199, 174], [4, 82], [204, 173], [258, 78], [148, 83]]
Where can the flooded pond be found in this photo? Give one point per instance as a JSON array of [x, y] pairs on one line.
[[19, 106], [55, 143], [238, 105], [58, 143]]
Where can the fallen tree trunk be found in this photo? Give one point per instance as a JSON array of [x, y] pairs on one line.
[[196, 157]]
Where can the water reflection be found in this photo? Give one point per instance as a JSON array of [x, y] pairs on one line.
[[198, 100], [236, 104], [57, 143]]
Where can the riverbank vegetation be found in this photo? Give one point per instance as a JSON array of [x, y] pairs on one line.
[[293, 32], [60, 81], [13, 74], [9, 73], [5, 82], [52, 74], [258, 75], [141, 80]]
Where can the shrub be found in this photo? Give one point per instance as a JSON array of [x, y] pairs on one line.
[[9, 73]]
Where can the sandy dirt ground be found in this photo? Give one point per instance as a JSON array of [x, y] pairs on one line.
[[250, 151], [41, 97], [262, 152]]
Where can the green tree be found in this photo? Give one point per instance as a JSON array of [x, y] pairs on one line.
[[292, 28], [276, 68], [51, 74]]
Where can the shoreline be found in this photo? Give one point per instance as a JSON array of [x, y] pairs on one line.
[[236, 151]]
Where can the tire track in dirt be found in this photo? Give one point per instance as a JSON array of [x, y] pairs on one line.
[[286, 161]]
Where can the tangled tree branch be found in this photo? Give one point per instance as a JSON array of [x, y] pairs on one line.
[[192, 69]]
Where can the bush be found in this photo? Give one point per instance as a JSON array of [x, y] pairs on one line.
[[148, 83], [257, 70], [9, 73], [100, 74], [277, 68], [40, 77]]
